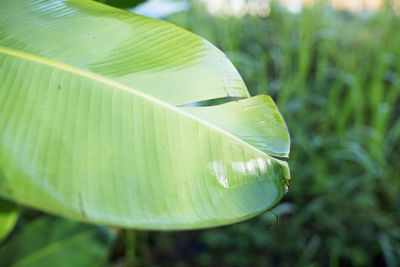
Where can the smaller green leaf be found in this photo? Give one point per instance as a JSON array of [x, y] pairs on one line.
[[57, 242], [8, 218]]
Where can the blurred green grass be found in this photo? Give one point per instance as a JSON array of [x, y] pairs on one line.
[[335, 76]]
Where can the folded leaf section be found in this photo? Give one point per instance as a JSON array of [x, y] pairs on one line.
[[257, 121]]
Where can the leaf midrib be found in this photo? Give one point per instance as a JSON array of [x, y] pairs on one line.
[[90, 75]]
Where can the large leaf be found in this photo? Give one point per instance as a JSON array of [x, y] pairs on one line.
[[90, 129], [49, 242]]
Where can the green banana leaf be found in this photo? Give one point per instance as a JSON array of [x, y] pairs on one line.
[[8, 218], [92, 125], [48, 242]]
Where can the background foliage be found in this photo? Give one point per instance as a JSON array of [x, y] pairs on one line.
[[335, 76]]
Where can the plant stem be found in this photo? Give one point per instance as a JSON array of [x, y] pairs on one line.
[[130, 248]]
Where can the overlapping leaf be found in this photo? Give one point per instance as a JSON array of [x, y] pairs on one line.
[[48, 242], [8, 218]]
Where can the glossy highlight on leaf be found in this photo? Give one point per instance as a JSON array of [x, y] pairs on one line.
[[91, 126]]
